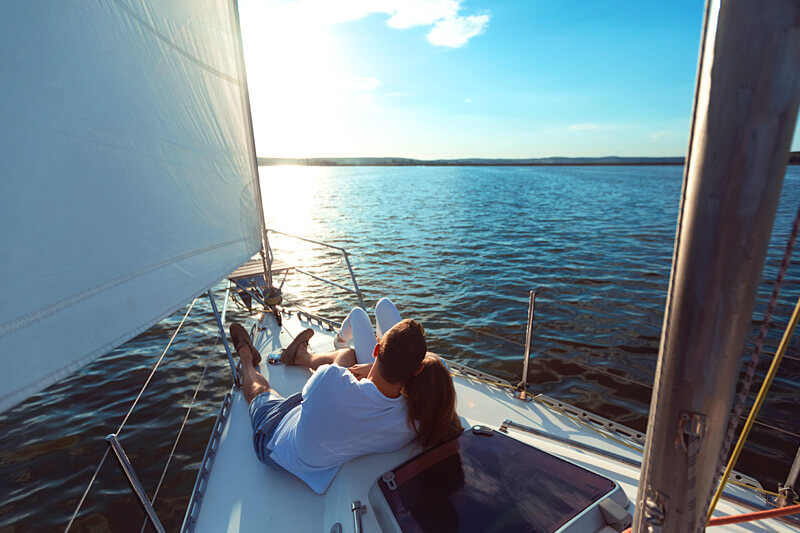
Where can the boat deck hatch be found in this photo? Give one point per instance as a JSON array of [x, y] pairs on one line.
[[484, 480]]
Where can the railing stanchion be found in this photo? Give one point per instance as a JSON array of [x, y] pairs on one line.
[[133, 479], [788, 490], [224, 338], [353, 278], [522, 388], [344, 253]]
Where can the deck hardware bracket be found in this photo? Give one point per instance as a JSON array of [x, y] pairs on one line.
[[690, 426], [358, 509], [482, 430], [615, 515], [336, 528], [522, 392], [655, 506], [133, 480], [274, 358], [388, 478], [788, 496]]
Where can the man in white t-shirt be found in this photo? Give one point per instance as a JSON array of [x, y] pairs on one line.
[[337, 416]]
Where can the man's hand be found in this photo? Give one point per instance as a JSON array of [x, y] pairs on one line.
[[360, 371]]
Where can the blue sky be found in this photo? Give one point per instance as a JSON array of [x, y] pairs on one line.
[[477, 78]]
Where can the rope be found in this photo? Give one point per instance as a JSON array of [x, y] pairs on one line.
[[750, 517], [147, 381], [762, 394], [751, 365], [125, 419], [765, 492], [757, 515], [692, 449]]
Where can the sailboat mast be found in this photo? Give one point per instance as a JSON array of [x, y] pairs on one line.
[[745, 110]]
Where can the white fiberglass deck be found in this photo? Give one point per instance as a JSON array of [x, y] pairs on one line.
[[244, 495]]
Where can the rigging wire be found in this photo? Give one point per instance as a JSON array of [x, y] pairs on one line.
[[127, 415], [751, 366], [178, 436], [147, 381], [86, 492], [773, 369]]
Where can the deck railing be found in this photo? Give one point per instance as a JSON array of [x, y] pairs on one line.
[[354, 290]]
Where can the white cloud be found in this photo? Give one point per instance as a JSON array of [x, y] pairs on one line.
[[456, 31], [409, 13], [467, 100], [657, 136], [449, 27], [364, 84], [590, 126]]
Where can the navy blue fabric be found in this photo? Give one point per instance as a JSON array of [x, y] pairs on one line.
[[266, 412]]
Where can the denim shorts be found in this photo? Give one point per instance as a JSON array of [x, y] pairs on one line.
[[266, 412]]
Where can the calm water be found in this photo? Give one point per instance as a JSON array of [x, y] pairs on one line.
[[457, 248]]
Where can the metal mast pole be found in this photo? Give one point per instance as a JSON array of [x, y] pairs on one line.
[[745, 109]]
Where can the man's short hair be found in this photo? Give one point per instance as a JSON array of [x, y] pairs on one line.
[[401, 351]]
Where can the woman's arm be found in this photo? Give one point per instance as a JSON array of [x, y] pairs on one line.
[[360, 371]]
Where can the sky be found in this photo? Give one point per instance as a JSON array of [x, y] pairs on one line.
[[470, 78]]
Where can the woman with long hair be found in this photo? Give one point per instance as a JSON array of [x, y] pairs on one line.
[[430, 395], [431, 400]]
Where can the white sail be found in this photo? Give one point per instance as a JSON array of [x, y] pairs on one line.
[[127, 174]]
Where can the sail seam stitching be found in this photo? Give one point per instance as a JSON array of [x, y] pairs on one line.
[[174, 46], [56, 307]]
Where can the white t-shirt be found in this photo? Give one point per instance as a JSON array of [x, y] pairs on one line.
[[340, 418]]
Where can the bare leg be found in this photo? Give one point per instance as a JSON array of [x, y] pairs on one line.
[[253, 383], [345, 357]]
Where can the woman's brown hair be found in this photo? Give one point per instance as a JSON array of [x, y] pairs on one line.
[[431, 400]]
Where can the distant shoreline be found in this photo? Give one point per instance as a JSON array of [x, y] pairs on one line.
[[406, 162], [794, 159]]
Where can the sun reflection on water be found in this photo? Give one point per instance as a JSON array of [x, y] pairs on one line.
[[290, 194]]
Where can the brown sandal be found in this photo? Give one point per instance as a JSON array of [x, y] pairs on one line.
[[290, 352], [240, 337]]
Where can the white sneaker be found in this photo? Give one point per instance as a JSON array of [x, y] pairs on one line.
[[339, 342]]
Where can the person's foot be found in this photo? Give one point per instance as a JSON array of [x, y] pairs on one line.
[[299, 343], [240, 339]]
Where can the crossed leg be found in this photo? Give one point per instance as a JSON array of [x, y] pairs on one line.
[[253, 383]]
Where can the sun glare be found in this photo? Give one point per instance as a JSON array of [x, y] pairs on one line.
[[297, 80], [288, 196]]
